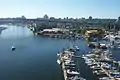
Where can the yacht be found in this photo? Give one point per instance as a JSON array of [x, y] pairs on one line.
[[73, 72]]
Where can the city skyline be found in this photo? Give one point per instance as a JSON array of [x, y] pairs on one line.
[[60, 8]]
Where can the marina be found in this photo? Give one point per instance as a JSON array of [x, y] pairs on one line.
[[102, 65], [100, 61], [97, 56], [68, 62]]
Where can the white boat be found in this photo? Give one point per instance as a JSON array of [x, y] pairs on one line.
[[94, 72], [58, 61], [77, 48], [119, 47], [106, 78], [84, 57], [73, 72], [71, 64], [13, 48], [58, 54]]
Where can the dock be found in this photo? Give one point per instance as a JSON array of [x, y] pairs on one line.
[[69, 66], [64, 71]]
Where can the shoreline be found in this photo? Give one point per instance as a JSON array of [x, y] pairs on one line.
[[2, 28]]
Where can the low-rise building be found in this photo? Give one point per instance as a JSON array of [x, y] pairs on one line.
[[89, 33], [54, 31]]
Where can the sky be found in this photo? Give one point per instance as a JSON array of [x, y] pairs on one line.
[[60, 8]]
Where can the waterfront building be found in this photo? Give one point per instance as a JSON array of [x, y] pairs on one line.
[[88, 33], [93, 32]]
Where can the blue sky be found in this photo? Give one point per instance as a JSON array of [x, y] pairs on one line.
[[60, 8]]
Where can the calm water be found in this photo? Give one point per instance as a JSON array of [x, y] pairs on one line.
[[35, 57]]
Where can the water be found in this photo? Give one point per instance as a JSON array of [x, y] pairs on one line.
[[35, 57]]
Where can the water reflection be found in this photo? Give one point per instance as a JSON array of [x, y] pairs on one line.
[[34, 58], [15, 32]]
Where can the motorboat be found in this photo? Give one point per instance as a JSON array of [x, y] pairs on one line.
[[73, 72], [71, 64], [58, 61], [58, 54], [103, 46], [105, 78], [67, 60], [76, 78], [13, 48], [77, 48]]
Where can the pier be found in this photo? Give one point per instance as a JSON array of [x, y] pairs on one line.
[[68, 62]]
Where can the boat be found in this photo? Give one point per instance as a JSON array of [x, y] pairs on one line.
[[105, 78], [13, 48], [91, 45], [71, 64], [95, 72], [58, 61], [103, 46], [58, 54], [77, 48], [84, 57], [76, 78], [73, 72]]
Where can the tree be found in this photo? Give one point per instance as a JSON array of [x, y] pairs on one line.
[[46, 16]]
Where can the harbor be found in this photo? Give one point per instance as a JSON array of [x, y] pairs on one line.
[[101, 63], [60, 40], [87, 55], [34, 59]]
